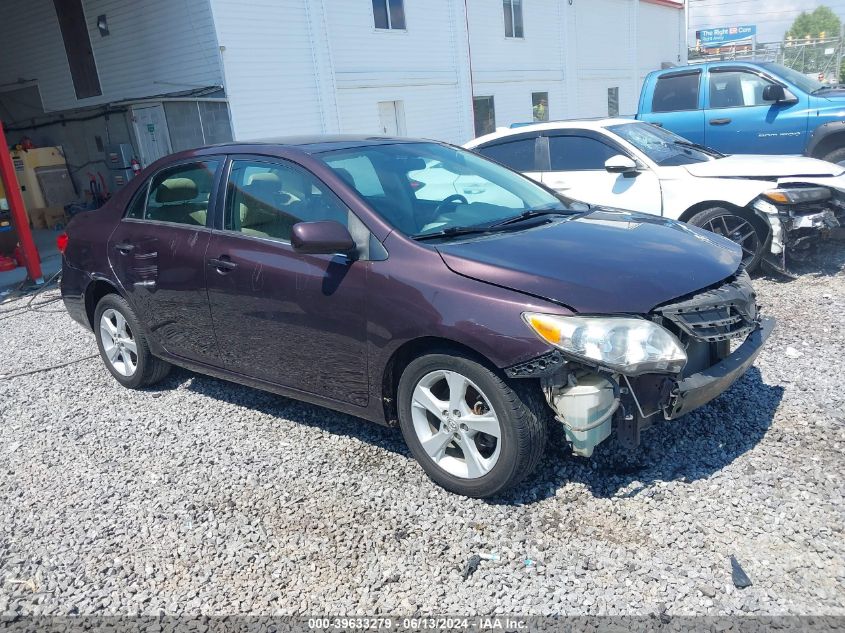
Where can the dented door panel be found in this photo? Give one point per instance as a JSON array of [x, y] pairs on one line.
[[160, 266]]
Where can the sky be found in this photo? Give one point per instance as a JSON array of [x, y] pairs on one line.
[[772, 17]]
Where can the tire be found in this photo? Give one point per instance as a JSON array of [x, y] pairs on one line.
[[519, 411], [836, 156], [118, 341], [737, 227]]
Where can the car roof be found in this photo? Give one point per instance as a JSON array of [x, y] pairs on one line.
[[574, 124], [309, 144]]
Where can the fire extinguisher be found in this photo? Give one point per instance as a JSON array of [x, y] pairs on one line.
[[136, 166]]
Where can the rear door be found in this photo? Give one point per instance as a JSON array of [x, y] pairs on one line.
[[676, 104], [158, 255], [739, 121], [577, 170], [520, 152], [281, 316]]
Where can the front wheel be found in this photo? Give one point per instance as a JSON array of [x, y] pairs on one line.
[[736, 227], [472, 432]]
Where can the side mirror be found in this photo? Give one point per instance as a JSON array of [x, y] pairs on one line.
[[620, 164], [325, 237], [774, 92]]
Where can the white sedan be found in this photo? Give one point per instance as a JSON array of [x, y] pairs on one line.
[[770, 205]]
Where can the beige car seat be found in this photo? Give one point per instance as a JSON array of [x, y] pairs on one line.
[[263, 207], [176, 200]]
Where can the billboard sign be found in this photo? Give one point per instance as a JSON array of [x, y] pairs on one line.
[[725, 35]]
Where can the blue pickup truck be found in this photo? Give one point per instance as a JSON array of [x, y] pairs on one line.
[[748, 108]]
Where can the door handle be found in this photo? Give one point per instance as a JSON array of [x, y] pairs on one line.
[[720, 121], [657, 123], [124, 247], [223, 264]]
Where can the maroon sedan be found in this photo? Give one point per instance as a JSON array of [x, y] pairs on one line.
[[416, 283]]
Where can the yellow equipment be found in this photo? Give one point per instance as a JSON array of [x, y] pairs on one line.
[[27, 164]]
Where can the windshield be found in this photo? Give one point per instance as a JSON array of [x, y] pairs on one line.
[[426, 188], [663, 147], [799, 80]]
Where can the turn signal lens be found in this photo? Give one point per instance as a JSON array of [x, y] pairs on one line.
[[777, 196], [797, 195], [545, 326]]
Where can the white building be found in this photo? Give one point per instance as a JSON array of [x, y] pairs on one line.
[[166, 75]]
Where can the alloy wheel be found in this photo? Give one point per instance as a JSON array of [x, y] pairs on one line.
[[455, 424], [736, 229], [118, 342]]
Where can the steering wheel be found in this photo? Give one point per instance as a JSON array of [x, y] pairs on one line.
[[454, 199]]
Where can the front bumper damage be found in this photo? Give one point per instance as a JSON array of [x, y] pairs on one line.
[[796, 228], [708, 324]]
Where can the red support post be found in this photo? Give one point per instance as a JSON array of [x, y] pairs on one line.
[[19, 216]]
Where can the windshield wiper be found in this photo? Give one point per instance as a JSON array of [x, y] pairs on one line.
[[822, 89], [699, 147], [452, 231], [536, 213]]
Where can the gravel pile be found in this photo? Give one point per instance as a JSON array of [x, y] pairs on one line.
[[201, 496]]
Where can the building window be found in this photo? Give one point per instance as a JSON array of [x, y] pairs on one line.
[[389, 14], [540, 106], [485, 115], [613, 101], [513, 18], [197, 123], [80, 57]]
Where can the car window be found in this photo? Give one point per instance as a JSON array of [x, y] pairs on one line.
[[427, 187], [437, 181], [139, 202], [360, 173], [736, 89], [676, 92], [662, 146], [265, 199], [518, 155], [578, 153], [179, 194]]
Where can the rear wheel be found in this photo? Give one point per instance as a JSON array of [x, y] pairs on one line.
[[123, 346], [471, 431], [738, 228]]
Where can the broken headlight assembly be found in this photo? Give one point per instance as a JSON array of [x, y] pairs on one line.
[[797, 195], [629, 345]]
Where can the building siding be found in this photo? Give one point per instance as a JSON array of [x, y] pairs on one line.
[[153, 47], [321, 66], [269, 66]]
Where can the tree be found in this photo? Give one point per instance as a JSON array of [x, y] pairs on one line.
[[821, 20]]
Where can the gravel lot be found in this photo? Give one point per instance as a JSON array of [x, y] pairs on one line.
[[204, 496]]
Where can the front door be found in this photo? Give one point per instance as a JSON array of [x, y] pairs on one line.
[[151, 131], [281, 316], [739, 121], [577, 171], [158, 254]]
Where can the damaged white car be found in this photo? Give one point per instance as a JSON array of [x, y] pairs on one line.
[[775, 207]]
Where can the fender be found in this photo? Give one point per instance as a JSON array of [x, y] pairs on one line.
[[822, 133]]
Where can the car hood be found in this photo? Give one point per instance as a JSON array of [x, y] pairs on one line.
[[753, 166], [604, 261]]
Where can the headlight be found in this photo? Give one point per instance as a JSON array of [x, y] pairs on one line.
[[626, 344], [798, 195]]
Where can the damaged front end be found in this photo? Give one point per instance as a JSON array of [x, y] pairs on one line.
[[799, 217], [667, 363]]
